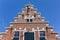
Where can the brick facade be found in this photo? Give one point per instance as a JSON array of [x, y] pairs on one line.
[[36, 25]]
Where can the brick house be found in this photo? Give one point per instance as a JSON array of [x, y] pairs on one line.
[[29, 25]]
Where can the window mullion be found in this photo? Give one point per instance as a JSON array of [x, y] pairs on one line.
[[29, 20]]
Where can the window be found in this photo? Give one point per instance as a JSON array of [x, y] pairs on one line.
[[29, 20], [22, 16], [42, 38], [28, 10], [42, 35], [16, 35], [34, 15], [29, 36]]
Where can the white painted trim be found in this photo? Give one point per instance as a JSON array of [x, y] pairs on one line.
[[6, 30], [46, 37], [34, 35], [26, 30], [15, 20], [32, 29], [43, 28], [33, 17], [52, 30], [20, 28], [38, 28], [15, 29], [19, 35], [11, 25], [0, 38], [19, 16], [57, 35], [28, 17], [23, 35]]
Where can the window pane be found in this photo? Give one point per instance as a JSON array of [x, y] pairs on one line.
[[16, 35], [28, 10], [34, 15], [42, 33], [42, 38], [16, 39], [27, 20], [30, 20], [29, 36]]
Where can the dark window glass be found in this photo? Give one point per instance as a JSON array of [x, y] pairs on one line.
[[16, 35], [28, 10], [22, 15], [42, 38], [42, 35], [30, 20], [29, 36], [16, 39], [27, 20], [34, 15]]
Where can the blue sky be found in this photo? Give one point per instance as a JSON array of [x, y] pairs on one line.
[[50, 9]]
